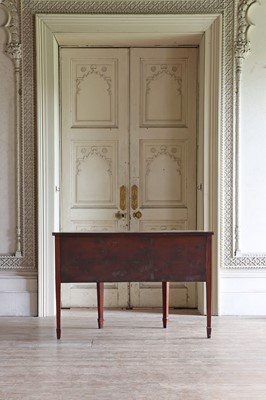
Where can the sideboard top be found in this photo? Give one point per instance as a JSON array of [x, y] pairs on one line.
[[121, 234]]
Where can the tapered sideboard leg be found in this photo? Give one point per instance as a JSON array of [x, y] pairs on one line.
[[209, 288], [100, 297], [58, 288], [165, 290]]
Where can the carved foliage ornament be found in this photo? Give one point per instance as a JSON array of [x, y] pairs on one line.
[[94, 151], [99, 70], [163, 151], [12, 27], [170, 70], [242, 44]]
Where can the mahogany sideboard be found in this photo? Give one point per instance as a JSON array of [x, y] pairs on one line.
[[180, 256]]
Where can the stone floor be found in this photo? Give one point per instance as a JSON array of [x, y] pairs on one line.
[[133, 357]]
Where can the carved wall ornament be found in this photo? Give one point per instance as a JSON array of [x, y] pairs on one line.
[[93, 151], [170, 70], [158, 151], [14, 50], [99, 70], [242, 44], [235, 29], [12, 26]]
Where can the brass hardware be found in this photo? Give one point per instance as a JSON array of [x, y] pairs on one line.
[[134, 197], [137, 214], [119, 215], [123, 197]]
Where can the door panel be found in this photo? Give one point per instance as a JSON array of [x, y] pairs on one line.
[[163, 147], [95, 146], [128, 156]]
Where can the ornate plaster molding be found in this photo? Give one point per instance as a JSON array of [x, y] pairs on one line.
[[12, 26], [242, 48], [242, 44], [125, 6]]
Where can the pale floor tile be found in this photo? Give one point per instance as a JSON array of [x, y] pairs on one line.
[[133, 357]]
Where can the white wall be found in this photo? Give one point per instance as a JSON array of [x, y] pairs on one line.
[[243, 291], [253, 138]]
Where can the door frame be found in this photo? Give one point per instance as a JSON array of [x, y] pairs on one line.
[[55, 30]]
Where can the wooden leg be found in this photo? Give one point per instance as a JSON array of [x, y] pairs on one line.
[[209, 290], [165, 287], [58, 311], [58, 288], [100, 290], [209, 329]]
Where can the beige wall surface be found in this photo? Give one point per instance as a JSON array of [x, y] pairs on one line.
[[253, 137], [7, 149]]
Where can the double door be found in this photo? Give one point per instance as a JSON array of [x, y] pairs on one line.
[[128, 147]]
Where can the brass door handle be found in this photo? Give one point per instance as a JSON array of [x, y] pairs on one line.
[[137, 214], [134, 197], [123, 198]]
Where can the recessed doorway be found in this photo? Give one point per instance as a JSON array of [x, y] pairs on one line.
[[157, 28]]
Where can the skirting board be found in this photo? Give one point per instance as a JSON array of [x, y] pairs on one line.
[[243, 292], [18, 293]]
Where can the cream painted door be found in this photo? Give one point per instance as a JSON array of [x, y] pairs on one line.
[[128, 154], [163, 154], [95, 153]]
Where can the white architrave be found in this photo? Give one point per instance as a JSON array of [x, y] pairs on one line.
[[53, 31], [48, 151]]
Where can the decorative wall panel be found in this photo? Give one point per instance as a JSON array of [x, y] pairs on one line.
[[94, 94], [164, 164], [163, 93], [95, 181]]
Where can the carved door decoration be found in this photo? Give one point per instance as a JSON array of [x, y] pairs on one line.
[[128, 153]]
